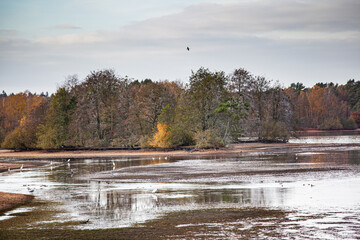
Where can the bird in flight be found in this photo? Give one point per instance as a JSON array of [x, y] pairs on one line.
[[188, 48]]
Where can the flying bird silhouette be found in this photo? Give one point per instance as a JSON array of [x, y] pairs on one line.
[[188, 48]]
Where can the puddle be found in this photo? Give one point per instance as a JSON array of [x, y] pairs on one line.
[[320, 188], [14, 212]]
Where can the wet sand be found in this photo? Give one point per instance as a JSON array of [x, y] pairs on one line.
[[11, 200], [230, 149]]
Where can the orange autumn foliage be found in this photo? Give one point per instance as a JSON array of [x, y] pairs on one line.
[[20, 114], [161, 137]]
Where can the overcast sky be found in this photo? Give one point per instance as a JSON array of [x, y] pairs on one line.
[[44, 41]]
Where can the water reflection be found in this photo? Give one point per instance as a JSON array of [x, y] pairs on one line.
[[171, 184], [318, 139]]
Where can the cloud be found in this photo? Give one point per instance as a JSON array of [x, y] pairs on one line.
[[8, 32], [281, 20], [286, 39], [69, 39], [66, 26]]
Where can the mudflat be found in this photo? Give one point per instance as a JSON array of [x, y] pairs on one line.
[[11, 200], [230, 149]]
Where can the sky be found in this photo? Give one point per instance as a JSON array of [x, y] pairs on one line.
[[42, 42]]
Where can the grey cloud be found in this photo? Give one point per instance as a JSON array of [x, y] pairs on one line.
[[249, 17], [277, 20]]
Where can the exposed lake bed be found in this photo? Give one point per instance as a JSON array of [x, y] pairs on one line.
[[274, 191]]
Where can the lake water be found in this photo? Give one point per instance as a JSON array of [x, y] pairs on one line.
[[318, 184]]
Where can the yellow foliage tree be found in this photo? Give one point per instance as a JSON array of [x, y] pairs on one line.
[[161, 137]]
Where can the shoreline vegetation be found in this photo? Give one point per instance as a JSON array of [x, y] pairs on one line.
[[212, 110], [112, 152]]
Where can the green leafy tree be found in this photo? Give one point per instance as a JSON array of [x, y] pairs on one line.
[[353, 90], [55, 132], [207, 90]]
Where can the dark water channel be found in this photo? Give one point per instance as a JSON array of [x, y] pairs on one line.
[[320, 186]]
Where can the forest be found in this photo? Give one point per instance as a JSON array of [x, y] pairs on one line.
[[211, 110]]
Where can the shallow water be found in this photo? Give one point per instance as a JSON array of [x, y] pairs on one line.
[[319, 186], [326, 137]]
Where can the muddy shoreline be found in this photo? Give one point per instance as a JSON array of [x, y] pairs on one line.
[[43, 154], [11, 200], [232, 149], [206, 224]]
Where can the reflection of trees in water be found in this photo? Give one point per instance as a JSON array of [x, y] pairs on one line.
[[354, 157], [246, 196], [117, 205], [335, 158], [61, 171]]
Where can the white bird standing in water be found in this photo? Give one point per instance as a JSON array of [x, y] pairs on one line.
[[21, 168]]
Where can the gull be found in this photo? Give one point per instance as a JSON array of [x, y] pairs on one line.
[[113, 163], [31, 190], [68, 160], [155, 190], [21, 168], [188, 48], [9, 169]]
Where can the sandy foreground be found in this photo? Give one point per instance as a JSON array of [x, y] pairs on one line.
[[11, 200]]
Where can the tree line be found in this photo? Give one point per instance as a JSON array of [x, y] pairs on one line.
[[211, 110]]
